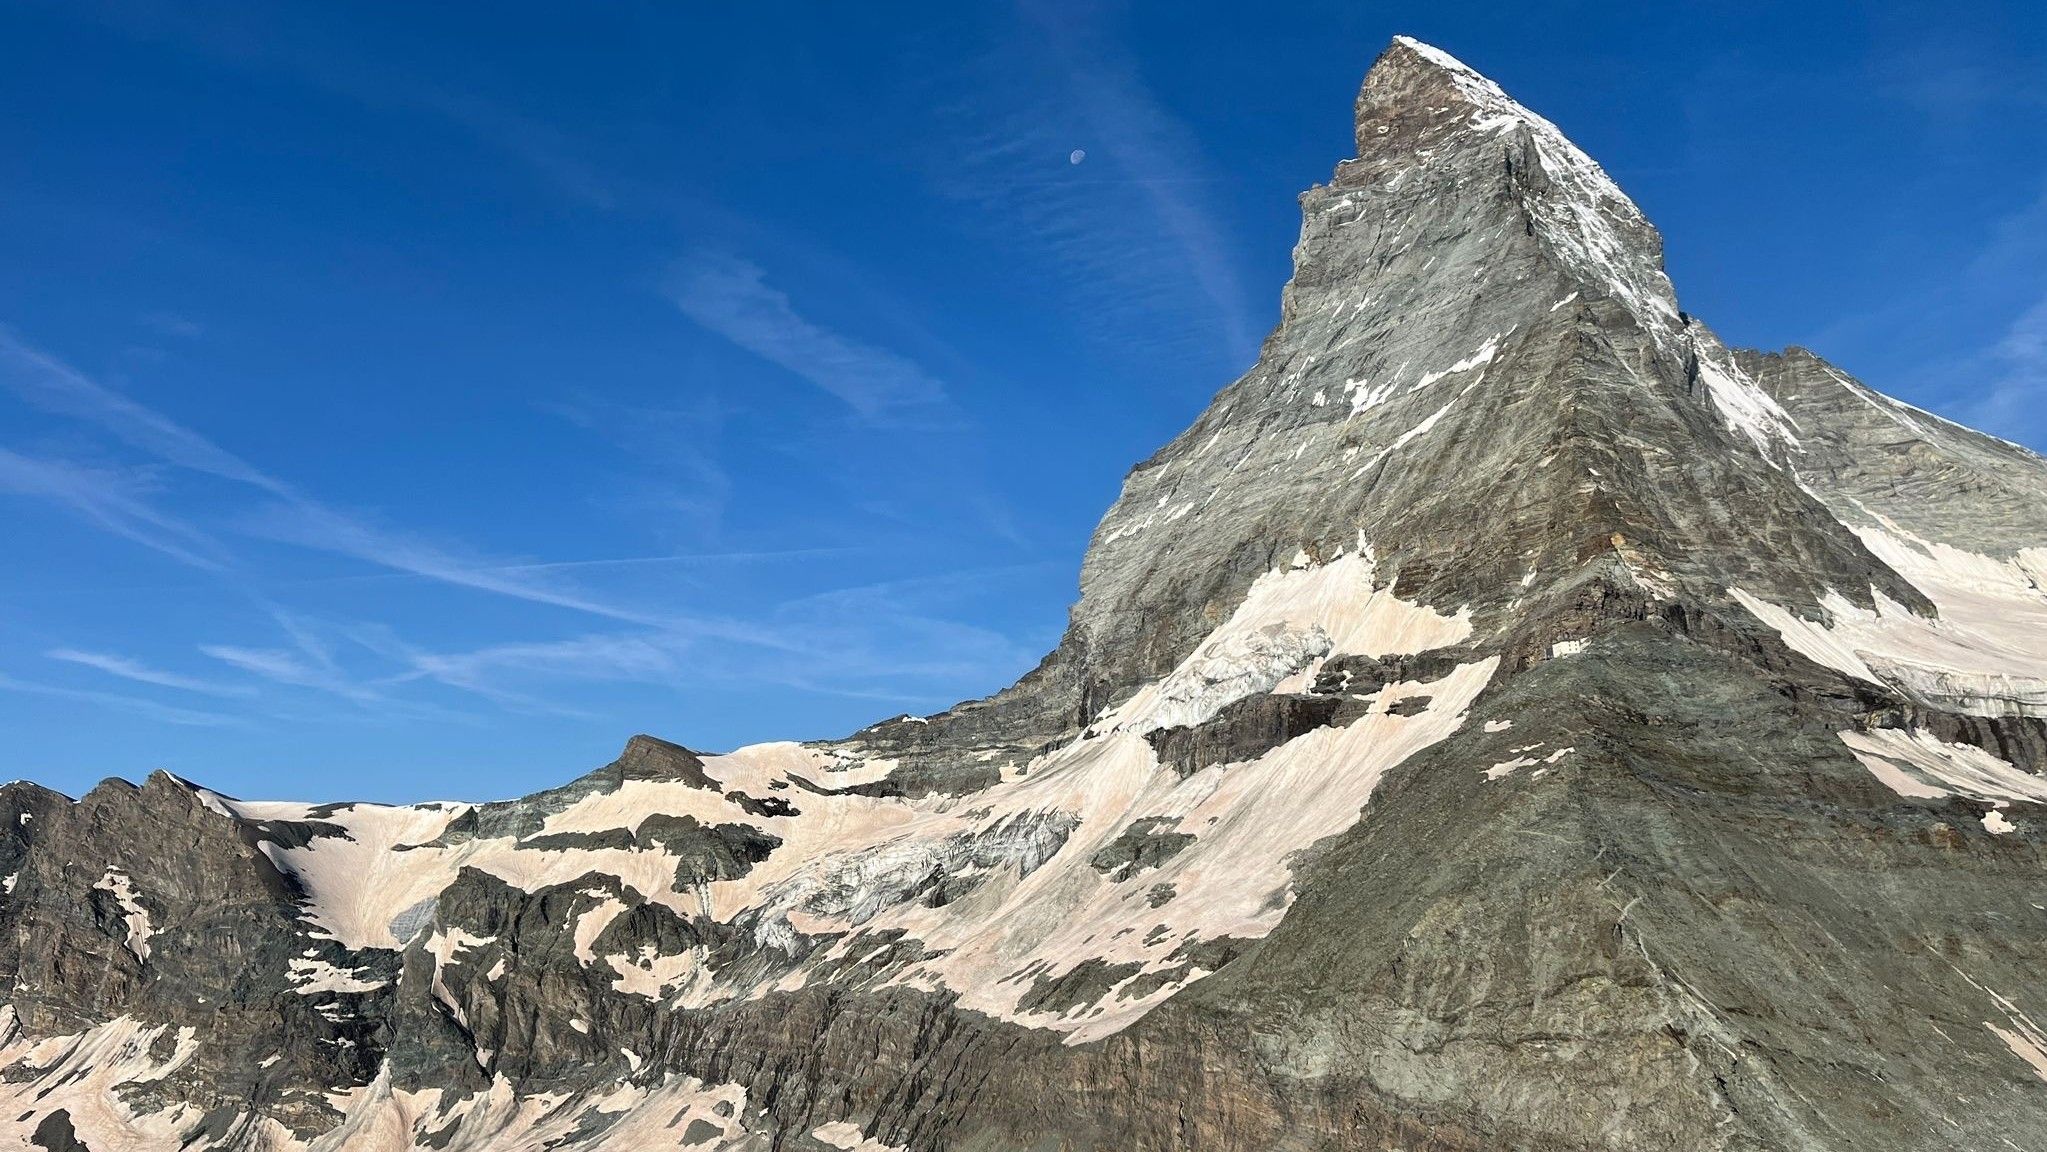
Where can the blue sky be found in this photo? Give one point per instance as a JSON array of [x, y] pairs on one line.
[[399, 403]]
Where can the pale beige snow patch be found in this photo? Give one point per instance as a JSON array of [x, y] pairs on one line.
[[1289, 617], [313, 977], [1984, 654], [650, 973], [82, 1074], [1507, 768], [1919, 764], [848, 1137], [356, 884]]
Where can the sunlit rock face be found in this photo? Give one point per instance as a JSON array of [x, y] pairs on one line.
[[1507, 718]]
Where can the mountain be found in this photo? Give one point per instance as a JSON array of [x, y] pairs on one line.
[[1509, 718]]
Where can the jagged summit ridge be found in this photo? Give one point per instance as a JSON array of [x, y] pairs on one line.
[[1507, 718], [1594, 226], [1588, 223]]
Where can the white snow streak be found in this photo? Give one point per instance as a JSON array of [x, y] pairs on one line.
[[133, 914]]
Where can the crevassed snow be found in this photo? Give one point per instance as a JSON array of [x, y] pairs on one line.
[[853, 868], [1234, 879], [848, 874], [1920, 764], [1986, 652]]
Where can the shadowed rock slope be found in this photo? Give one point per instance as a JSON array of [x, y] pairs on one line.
[[1507, 719]]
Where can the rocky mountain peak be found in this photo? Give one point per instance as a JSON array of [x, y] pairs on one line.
[[652, 758], [1421, 108]]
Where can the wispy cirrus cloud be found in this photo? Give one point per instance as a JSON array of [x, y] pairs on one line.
[[1132, 231], [288, 668], [1994, 378], [2016, 366], [1161, 156], [732, 298], [128, 668], [879, 642], [509, 674], [684, 560], [675, 445], [173, 324], [309, 663], [46, 382], [312, 525], [897, 641], [285, 514], [149, 709], [114, 501], [312, 661]]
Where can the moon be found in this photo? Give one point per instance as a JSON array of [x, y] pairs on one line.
[[1076, 156]]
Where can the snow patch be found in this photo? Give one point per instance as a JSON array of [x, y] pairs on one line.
[[1478, 359], [1289, 617], [356, 884], [1984, 654], [1742, 403], [133, 914], [1507, 768], [1922, 765], [848, 1137], [316, 977]]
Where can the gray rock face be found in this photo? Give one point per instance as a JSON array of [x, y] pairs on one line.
[[1507, 718]]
